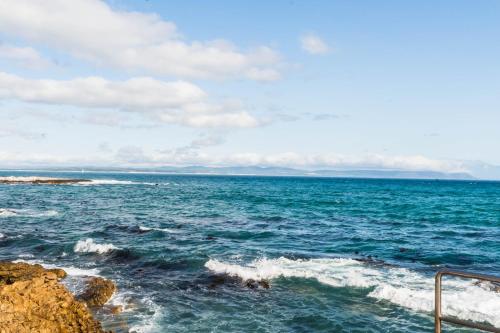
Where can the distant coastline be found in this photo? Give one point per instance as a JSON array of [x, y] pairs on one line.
[[263, 171]]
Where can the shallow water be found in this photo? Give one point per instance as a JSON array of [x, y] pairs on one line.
[[341, 255]]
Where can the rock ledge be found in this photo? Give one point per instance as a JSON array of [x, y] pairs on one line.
[[32, 300]]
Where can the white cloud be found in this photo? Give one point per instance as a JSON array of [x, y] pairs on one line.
[[313, 44], [25, 56], [92, 30], [177, 102]]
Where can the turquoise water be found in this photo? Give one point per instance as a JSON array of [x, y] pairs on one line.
[[187, 252]]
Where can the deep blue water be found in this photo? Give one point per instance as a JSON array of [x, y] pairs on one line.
[[183, 248]]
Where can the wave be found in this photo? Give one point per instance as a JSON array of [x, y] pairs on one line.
[[70, 270], [11, 212], [143, 228], [399, 286], [27, 179], [89, 246], [112, 182], [149, 321]]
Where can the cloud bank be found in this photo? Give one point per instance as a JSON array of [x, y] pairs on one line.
[[136, 156]]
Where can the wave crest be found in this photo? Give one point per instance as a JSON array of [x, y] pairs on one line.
[[399, 286], [89, 246]]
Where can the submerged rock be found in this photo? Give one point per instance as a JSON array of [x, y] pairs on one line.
[[32, 300], [115, 309], [252, 284], [97, 292], [488, 285]]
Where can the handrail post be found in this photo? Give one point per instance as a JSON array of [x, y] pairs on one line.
[[437, 303], [438, 316]]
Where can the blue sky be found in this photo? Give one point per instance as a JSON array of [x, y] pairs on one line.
[[337, 84]]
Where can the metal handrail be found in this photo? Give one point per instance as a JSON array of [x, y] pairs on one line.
[[438, 317]]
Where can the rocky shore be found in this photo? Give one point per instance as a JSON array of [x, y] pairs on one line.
[[33, 300], [40, 180]]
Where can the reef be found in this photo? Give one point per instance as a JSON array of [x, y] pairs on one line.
[[32, 299]]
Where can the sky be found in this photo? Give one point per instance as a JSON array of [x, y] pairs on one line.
[[396, 85]]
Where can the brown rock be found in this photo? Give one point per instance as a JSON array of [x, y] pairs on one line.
[[13, 272], [98, 292], [32, 300], [116, 309]]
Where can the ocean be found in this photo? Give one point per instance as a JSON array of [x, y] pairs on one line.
[[189, 252]]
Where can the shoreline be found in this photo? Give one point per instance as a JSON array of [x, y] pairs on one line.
[[33, 299]]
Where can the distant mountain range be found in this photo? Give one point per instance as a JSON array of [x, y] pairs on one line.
[[281, 171]]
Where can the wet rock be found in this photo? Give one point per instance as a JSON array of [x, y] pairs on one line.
[[264, 284], [32, 300], [252, 284], [98, 291], [114, 309], [488, 285], [216, 280]]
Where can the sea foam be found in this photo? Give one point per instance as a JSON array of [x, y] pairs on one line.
[[89, 246], [400, 286], [92, 182], [13, 212], [70, 270]]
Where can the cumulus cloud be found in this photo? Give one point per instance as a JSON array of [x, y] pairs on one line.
[[94, 31], [177, 102], [313, 44], [24, 56]]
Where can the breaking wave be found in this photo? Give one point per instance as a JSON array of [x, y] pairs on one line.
[[112, 182], [89, 246], [400, 286], [70, 270]]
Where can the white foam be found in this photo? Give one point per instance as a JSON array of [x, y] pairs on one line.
[[400, 286], [70, 270], [107, 182], [7, 212], [173, 231], [89, 246], [111, 182], [149, 322], [2, 235], [10, 212]]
